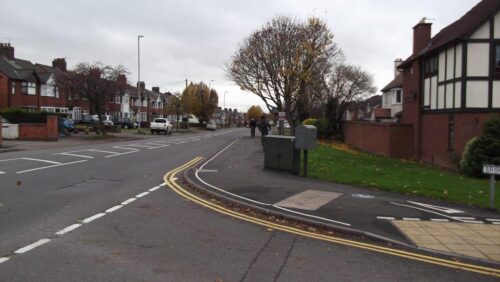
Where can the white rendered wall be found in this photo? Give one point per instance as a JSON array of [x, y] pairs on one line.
[[477, 94]]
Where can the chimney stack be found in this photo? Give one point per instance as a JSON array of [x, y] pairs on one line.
[[397, 62], [155, 89], [59, 63], [141, 85], [7, 51], [421, 35], [121, 80]]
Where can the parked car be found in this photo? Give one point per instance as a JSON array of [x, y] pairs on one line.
[[105, 118], [160, 125], [126, 123], [211, 125], [66, 125]]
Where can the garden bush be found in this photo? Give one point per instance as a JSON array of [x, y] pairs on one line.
[[24, 116], [484, 149]]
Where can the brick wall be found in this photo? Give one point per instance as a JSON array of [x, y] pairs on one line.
[[392, 140], [0, 131], [40, 131], [4, 91], [435, 146]]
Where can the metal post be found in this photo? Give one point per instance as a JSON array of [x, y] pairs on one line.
[[305, 162], [139, 82], [492, 191]]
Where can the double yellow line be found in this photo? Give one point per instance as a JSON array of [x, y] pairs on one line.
[[169, 179]]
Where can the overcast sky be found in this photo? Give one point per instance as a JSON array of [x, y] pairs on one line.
[[194, 39]]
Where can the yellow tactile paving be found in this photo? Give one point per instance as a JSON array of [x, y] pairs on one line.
[[470, 239]]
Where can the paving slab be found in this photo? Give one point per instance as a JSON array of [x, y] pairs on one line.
[[469, 239]]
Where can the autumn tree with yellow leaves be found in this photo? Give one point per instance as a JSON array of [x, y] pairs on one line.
[[200, 100], [255, 112]]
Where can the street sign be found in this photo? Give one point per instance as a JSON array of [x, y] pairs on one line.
[[491, 169], [282, 115]]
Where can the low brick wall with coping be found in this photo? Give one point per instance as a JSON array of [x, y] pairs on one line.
[[388, 139], [40, 131], [0, 131]]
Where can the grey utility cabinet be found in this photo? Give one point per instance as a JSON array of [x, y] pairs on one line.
[[280, 153], [305, 137]]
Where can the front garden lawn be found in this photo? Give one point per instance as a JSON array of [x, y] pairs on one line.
[[339, 163]]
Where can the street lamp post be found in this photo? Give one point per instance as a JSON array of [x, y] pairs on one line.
[[139, 80], [225, 107]]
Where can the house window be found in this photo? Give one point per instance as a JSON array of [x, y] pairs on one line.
[[28, 88], [13, 87], [431, 66], [497, 59], [398, 96]]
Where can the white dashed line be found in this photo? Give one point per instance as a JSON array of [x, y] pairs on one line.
[[44, 167], [32, 246], [142, 194], [463, 218], [2, 172], [163, 184], [94, 217], [180, 142], [197, 139], [128, 201], [75, 155], [154, 188], [411, 219], [115, 208], [68, 229], [39, 160], [493, 219], [4, 259], [495, 222], [473, 221], [439, 219], [386, 217]]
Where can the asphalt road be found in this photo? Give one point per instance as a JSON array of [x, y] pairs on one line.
[[61, 220]]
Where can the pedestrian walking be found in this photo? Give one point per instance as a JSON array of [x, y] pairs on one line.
[[253, 125], [264, 127]]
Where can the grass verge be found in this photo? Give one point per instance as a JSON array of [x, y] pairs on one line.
[[339, 163]]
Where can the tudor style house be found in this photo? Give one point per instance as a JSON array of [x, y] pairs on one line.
[[451, 83]]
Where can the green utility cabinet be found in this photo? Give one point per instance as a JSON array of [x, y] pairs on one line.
[[280, 153]]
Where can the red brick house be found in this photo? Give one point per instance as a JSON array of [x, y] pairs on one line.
[[451, 83]]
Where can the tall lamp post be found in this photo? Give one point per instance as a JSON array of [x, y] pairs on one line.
[[225, 108], [139, 80]]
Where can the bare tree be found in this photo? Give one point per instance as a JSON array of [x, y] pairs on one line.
[[282, 61], [347, 84], [99, 84]]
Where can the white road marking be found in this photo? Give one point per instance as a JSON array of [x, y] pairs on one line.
[[2, 172], [105, 152], [473, 221], [4, 259], [438, 208], [142, 194], [411, 218], [439, 219], [154, 188], [312, 216], [39, 160], [75, 155], [463, 218], [208, 170], [44, 167], [175, 178], [197, 139], [94, 217], [128, 201], [182, 142], [115, 208], [421, 209], [32, 246], [68, 229], [386, 217], [164, 184], [496, 222], [493, 219]]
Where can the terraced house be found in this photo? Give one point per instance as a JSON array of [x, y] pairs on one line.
[[451, 83], [35, 87]]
